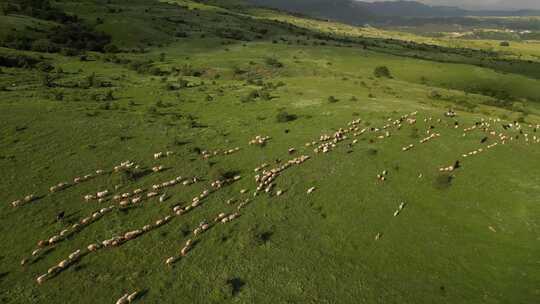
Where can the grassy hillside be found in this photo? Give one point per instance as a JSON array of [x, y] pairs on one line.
[[193, 78]]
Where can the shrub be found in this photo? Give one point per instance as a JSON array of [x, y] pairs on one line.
[[111, 48], [91, 80], [332, 99], [518, 107], [382, 72], [273, 62], [44, 67], [505, 43], [58, 95], [18, 61], [283, 117], [47, 80], [79, 36], [109, 96], [435, 94], [45, 46]]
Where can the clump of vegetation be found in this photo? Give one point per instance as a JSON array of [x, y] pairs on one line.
[[283, 116], [435, 94], [132, 174], [111, 48], [273, 62], [382, 72], [109, 96], [332, 99], [257, 95]]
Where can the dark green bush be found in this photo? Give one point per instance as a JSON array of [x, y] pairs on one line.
[[283, 117], [382, 72]]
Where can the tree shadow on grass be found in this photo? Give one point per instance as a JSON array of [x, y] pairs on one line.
[[443, 181], [3, 275], [235, 285]]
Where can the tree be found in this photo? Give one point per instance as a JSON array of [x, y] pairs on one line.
[[382, 71]]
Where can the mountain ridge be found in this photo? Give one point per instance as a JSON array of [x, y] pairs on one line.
[[357, 12]]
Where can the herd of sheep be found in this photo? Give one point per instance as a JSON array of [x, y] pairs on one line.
[[266, 180]]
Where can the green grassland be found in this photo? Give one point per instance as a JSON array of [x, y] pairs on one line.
[[469, 236]]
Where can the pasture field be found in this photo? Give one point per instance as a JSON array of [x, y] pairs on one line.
[[421, 235]]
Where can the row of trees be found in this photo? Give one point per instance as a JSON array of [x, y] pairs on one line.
[[70, 37]]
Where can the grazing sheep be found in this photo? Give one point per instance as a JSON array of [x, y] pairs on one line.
[[75, 254], [158, 168], [63, 264], [171, 260], [147, 228], [27, 199], [60, 216], [407, 148], [220, 217], [184, 251], [58, 187], [42, 278], [310, 190], [102, 194], [123, 299], [54, 239], [382, 176], [16, 203], [259, 140], [151, 194], [132, 234], [53, 270], [93, 247], [132, 297]]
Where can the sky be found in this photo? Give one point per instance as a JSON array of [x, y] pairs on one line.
[[484, 4]]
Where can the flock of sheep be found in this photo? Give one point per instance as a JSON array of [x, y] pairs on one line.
[[266, 181]]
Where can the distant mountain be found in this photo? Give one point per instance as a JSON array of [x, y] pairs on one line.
[[348, 11], [410, 9], [358, 12]]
